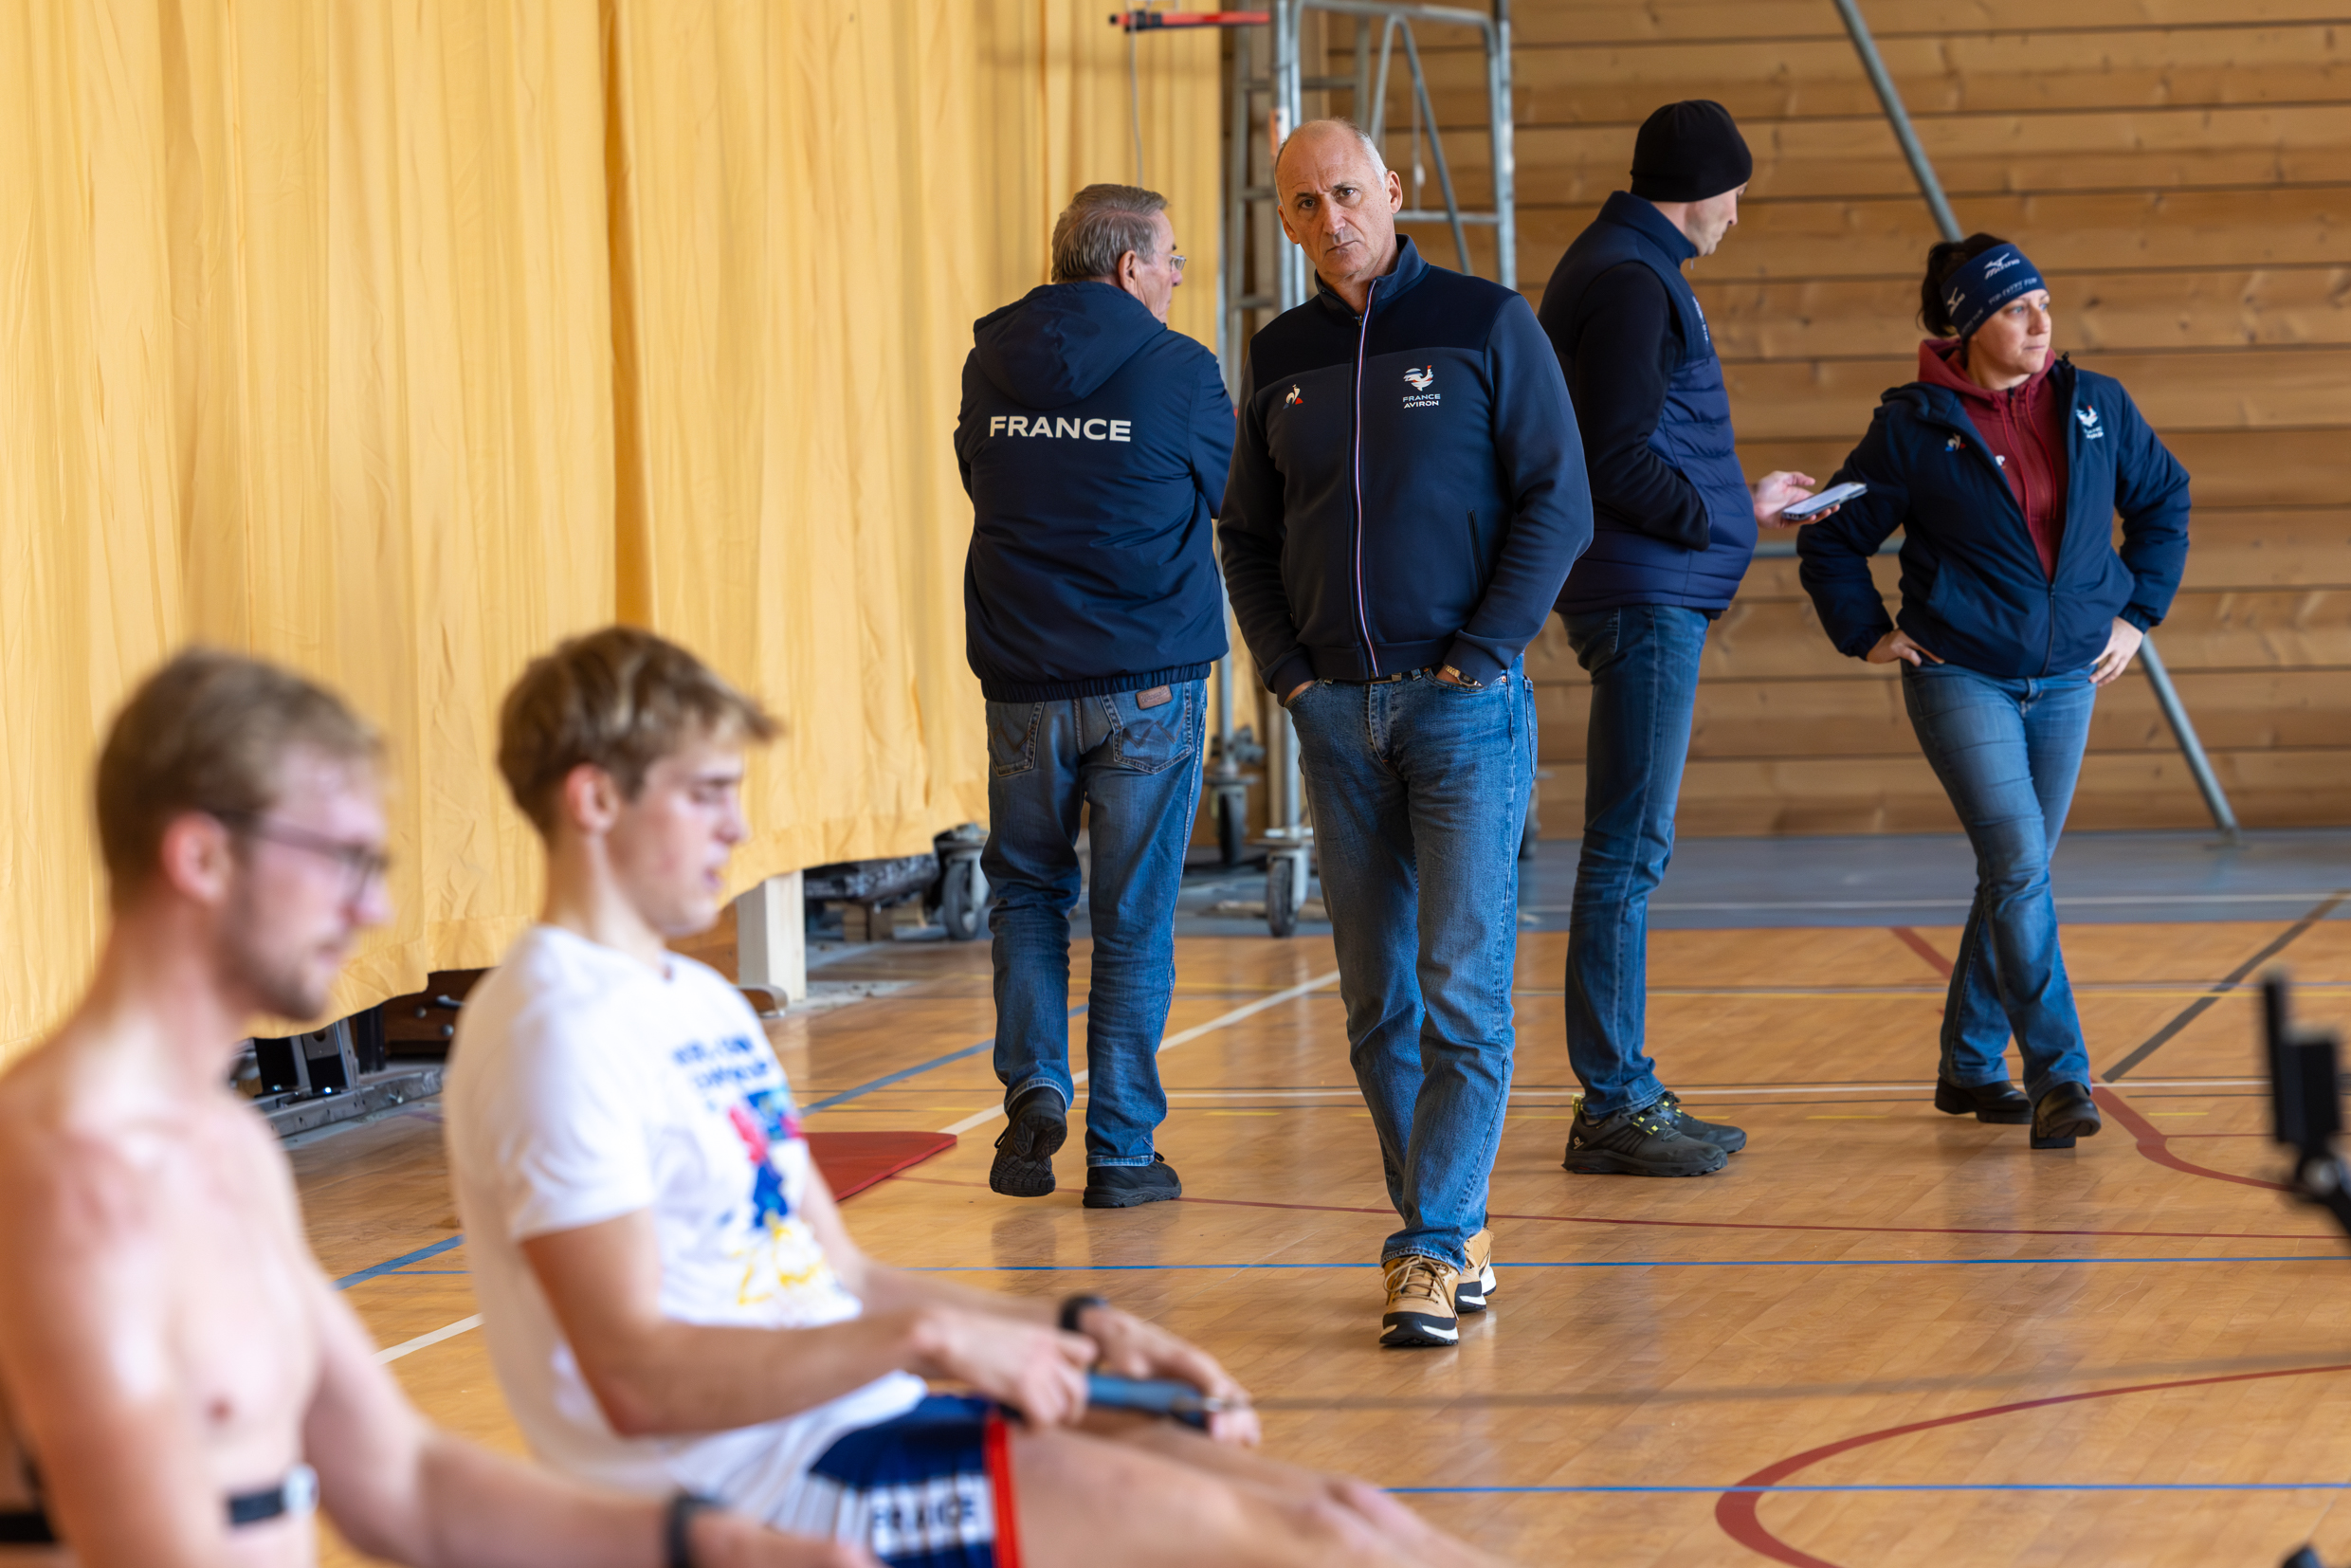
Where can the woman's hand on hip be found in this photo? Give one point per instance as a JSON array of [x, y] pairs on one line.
[[1896, 644], [2121, 647]]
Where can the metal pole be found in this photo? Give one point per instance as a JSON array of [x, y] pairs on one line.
[[2183, 730], [1505, 151], [1890, 96], [1287, 107], [2166, 695], [1436, 150]]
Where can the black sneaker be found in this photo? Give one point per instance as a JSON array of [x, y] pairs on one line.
[[1648, 1141], [1131, 1186], [1721, 1135], [1024, 1166]]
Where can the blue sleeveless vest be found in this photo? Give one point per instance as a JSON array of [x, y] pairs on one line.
[[1693, 434]]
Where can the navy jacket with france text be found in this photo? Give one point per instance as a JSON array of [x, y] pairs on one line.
[[1093, 442], [1408, 487], [1973, 589], [1629, 562]]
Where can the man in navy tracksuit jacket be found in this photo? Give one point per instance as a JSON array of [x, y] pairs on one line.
[[1675, 527], [1407, 496], [1094, 444]]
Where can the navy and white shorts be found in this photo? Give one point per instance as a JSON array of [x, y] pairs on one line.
[[930, 1489]]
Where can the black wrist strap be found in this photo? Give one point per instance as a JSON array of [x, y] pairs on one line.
[[1073, 1308], [676, 1551]]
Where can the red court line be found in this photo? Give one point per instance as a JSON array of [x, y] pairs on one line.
[[2156, 1146], [1733, 1225], [1924, 948], [1736, 1511]]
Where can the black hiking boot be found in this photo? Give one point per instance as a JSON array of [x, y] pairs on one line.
[[1648, 1141], [1721, 1135], [1131, 1186], [1024, 1166]]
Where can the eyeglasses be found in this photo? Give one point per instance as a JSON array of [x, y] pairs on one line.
[[1174, 260], [363, 863]]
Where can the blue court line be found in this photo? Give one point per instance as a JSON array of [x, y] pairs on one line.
[[905, 1073], [1918, 1487], [402, 1262], [1627, 1263]]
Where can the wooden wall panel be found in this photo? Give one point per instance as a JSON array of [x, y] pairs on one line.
[[2177, 169]]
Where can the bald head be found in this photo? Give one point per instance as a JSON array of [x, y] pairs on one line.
[[1339, 202], [1317, 129]]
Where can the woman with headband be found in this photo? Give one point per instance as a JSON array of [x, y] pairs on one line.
[[2003, 470]]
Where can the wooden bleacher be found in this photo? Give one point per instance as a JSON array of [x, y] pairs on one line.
[[2180, 170]]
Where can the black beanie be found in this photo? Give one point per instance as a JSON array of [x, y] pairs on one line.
[[1689, 151]]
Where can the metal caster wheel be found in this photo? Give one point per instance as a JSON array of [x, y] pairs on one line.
[[963, 898], [1281, 906]]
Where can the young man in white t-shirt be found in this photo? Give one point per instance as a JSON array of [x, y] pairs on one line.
[[671, 1300], [179, 1383]]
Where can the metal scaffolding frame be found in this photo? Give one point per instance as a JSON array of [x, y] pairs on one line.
[[1922, 170]]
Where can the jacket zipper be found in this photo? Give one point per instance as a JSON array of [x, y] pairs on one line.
[[1362, 615], [1999, 478]]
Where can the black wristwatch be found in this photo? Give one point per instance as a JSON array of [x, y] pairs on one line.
[[676, 1552], [1073, 1308]]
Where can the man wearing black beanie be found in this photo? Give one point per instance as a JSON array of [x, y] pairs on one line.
[[1675, 526]]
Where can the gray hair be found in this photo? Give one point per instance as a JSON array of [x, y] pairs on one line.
[[1100, 225], [1371, 148]]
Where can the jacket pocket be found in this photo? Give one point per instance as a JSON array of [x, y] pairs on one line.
[[1012, 736]]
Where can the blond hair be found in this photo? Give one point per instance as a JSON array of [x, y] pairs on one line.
[[207, 732], [621, 699]]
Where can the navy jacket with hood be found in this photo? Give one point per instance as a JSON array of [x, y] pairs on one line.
[[1973, 590], [1629, 562], [1408, 488], [1093, 442]]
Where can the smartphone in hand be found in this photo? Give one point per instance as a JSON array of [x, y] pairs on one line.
[[1811, 506]]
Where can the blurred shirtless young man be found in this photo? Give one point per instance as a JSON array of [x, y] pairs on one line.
[[172, 1362], [670, 1295]]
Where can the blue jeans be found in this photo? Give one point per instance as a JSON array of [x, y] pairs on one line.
[[1419, 790], [2008, 753], [1643, 660], [1137, 770]]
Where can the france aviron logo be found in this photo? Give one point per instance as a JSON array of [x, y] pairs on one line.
[[1421, 378]]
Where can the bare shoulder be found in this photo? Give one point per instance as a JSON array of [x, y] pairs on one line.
[[68, 1188]]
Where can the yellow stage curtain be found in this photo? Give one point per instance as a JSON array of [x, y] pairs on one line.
[[397, 341]]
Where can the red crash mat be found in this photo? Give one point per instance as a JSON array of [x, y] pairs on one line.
[[854, 1162]]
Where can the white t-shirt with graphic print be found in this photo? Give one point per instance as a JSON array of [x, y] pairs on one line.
[[582, 1086]]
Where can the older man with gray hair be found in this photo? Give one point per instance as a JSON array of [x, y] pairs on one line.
[[1407, 496], [1093, 442]]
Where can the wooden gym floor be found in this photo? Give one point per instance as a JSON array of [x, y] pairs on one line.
[[1882, 1336]]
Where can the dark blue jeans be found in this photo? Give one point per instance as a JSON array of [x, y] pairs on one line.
[[1136, 771], [1419, 789], [1643, 660], [2008, 753]]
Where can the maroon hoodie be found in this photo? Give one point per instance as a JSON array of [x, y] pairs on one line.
[[2025, 427]]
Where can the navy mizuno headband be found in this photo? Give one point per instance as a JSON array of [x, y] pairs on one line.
[[1986, 283]]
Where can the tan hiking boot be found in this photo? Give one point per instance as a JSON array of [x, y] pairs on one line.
[[1420, 1302], [1477, 1281]]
